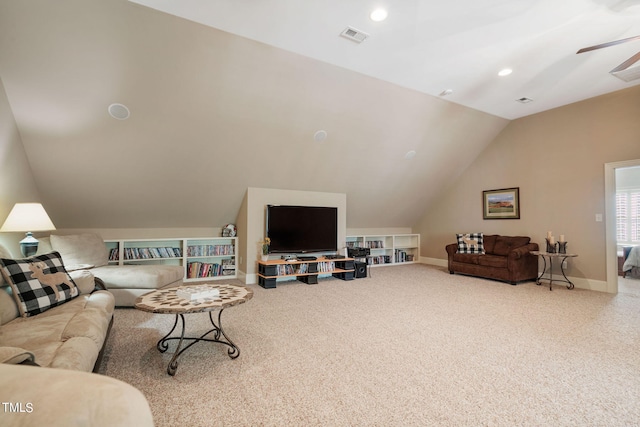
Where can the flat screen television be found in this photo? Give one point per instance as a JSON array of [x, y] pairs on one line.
[[302, 229]]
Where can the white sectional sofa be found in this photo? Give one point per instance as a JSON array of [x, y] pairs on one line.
[[125, 282]]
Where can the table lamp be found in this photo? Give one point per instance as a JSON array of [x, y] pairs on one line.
[[28, 217]]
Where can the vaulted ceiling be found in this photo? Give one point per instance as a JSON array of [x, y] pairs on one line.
[[213, 113], [455, 46]]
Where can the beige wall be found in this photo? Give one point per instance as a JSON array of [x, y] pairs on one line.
[[256, 201], [211, 115], [241, 221], [557, 159], [16, 180]]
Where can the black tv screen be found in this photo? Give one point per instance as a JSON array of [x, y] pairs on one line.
[[302, 229]]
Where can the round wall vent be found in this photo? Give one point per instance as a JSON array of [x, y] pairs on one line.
[[119, 111]]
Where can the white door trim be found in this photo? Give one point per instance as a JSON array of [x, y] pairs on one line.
[[610, 218]]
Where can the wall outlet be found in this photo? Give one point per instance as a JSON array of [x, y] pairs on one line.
[[598, 217], [564, 265]]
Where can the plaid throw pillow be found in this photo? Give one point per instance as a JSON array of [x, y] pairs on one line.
[[470, 243], [38, 283]]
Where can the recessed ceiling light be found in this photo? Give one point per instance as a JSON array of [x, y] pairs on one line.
[[505, 72], [378, 15], [446, 92]]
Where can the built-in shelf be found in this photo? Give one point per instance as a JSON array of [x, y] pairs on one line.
[[388, 249], [207, 258]]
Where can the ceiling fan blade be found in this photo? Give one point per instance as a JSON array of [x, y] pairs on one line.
[[626, 64], [603, 45]]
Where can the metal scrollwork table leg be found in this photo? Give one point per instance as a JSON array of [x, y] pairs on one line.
[[570, 284], [219, 336]]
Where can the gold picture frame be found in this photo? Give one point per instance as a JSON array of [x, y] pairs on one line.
[[503, 203]]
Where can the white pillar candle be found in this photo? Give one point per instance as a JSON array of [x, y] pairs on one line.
[[552, 240], [548, 235], [561, 238]]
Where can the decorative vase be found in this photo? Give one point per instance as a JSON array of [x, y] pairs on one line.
[[551, 247], [562, 247], [264, 257]]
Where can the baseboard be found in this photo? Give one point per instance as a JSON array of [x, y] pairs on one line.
[[578, 282], [249, 279], [434, 261]]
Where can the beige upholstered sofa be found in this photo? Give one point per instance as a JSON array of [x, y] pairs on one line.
[[36, 396], [125, 282], [69, 337]]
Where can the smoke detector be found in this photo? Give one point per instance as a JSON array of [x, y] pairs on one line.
[[354, 35]]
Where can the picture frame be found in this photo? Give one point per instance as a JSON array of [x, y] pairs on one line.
[[503, 203]]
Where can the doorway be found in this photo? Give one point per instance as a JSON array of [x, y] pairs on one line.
[[610, 225]]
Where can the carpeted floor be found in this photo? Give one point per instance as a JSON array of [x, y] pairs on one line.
[[410, 346]]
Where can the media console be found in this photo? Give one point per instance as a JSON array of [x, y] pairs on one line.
[[304, 270]]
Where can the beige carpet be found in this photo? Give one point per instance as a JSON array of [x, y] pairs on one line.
[[411, 346]]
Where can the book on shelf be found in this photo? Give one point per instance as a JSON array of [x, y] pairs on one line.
[[401, 256], [146, 253], [197, 270], [114, 254], [210, 250], [326, 266], [382, 259]]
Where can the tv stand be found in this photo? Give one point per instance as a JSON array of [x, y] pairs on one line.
[[306, 271]]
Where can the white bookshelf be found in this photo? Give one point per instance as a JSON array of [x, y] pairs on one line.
[[206, 258], [388, 249]]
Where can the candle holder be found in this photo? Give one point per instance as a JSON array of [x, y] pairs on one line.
[[551, 248], [562, 247]]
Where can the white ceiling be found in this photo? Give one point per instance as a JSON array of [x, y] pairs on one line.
[[431, 45]]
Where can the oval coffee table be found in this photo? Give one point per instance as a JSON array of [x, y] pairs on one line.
[[166, 301]]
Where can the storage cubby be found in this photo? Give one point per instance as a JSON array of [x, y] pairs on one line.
[[304, 271], [201, 258], [391, 249]]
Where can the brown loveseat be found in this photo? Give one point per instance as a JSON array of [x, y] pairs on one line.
[[506, 258]]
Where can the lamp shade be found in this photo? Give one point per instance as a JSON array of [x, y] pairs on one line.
[[27, 217]]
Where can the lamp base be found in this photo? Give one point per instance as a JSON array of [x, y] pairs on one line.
[[29, 245]]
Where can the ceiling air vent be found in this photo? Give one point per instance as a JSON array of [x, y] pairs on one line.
[[354, 35], [524, 100]]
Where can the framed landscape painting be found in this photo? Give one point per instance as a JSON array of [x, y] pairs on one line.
[[501, 204]]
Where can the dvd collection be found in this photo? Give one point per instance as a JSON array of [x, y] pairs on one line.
[[197, 270], [167, 252], [210, 250], [145, 253]]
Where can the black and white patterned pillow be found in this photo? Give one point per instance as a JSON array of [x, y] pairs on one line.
[[38, 283], [470, 243]]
